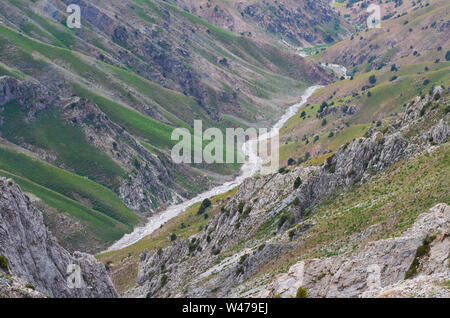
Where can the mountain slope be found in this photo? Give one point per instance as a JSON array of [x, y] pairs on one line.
[[287, 22], [365, 191], [101, 103]]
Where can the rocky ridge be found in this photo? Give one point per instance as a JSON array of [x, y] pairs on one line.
[[33, 255], [379, 270], [189, 268]]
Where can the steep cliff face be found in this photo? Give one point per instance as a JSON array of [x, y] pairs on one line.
[[270, 206], [33, 254]]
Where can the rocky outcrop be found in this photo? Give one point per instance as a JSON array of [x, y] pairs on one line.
[[15, 287], [33, 254], [32, 96], [379, 270], [149, 183]]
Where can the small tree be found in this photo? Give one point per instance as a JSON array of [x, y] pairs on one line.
[[372, 79], [447, 56], [173, 237], [301, 293], [205, 204]]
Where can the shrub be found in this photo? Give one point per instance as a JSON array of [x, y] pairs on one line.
[[291, 162], [242, 259], [324, 122], [420, 252], [241, 206], [4, 263], [282, 220], [205, 204], [296, 201], [239, 270], [447, 56], [372, 79], [291, 234], [163, 280], [173, 237], [30, 286], [301, 293], [247, 212], [297, 183]]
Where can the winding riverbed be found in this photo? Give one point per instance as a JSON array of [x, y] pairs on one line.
[[249, 169]]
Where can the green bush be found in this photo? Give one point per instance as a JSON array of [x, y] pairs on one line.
[[241, 206], [297, 183], [372, 79], [301, 293], [30, 286], [173, 237], [205, 204], [4, 263], [421, 251]]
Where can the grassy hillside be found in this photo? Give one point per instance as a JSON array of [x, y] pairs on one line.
[[68, 184], [49, 132]]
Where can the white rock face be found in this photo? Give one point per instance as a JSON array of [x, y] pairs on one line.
[[379, 270], [34, 255]]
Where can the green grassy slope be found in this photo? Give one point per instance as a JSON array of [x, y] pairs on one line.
[[49, 132], [68, 184]]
